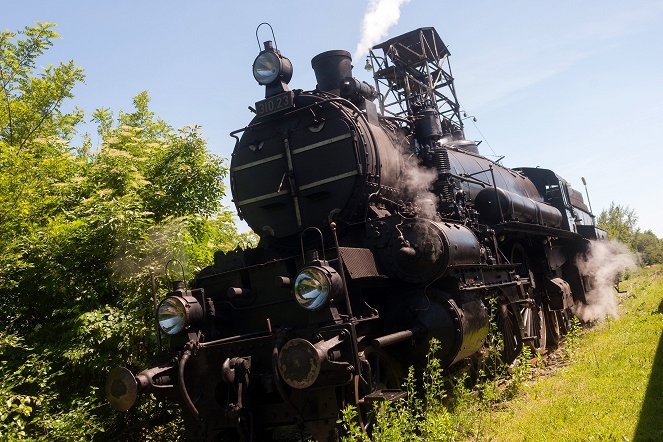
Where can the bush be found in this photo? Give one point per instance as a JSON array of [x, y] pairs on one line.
[[80, 227]]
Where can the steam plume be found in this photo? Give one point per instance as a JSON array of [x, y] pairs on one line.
[[602, 264], [416, 182], [380, 15], [165, 241]]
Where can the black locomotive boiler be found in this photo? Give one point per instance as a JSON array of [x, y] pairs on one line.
[[380, 228]]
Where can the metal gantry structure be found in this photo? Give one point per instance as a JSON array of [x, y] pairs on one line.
[[413, 71]]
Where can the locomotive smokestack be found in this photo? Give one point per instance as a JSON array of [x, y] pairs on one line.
[[330, 69]]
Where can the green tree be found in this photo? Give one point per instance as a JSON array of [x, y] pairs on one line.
[[34, 136], [79, 228], [649, 248], [620, 222]]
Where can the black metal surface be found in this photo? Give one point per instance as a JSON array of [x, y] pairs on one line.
[[313, 167], [501, 205], [421, 250], [419, 44], [359, 262], [331, 68]]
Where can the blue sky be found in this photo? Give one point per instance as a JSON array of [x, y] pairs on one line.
[[572, 86]]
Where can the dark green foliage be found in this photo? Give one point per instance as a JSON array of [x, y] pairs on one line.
[[649, 248], [79, 229]]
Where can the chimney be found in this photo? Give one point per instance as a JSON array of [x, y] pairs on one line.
[[330, 69]]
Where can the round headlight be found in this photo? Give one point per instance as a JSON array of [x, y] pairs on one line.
[[314, 285], [312, 288], [266, 67], [171, 315]]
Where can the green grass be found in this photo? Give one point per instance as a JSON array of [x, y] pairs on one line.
[[611, 390], [604, 383]]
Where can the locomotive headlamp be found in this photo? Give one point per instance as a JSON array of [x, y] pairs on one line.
[[315, 285], [270, 66], [266, 67], [175, 313]]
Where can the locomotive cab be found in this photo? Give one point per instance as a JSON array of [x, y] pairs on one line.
[[557, 192]]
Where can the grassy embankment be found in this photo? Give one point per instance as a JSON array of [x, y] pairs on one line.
[[612, 389]]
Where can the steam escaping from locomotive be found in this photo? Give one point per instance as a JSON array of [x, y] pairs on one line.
[[380, 15], [416, 183], [163, 243], [602, 265]]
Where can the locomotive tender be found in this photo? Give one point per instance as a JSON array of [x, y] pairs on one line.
[[380, 228]]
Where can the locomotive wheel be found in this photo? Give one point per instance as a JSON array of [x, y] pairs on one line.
[[534, 320], [507, 325], [554, 332], [564, 319]]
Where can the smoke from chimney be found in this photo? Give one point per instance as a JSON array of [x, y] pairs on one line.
[[380, 15], [603, 263]]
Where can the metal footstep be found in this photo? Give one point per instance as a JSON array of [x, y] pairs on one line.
[[385, 395]]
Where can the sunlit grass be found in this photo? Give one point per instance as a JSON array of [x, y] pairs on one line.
[[600, 395]]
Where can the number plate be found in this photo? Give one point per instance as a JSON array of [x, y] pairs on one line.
[[275, 104]]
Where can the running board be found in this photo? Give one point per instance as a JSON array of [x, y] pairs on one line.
[[384, 395]]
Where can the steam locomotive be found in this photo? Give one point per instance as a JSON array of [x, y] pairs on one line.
[[380, 228]]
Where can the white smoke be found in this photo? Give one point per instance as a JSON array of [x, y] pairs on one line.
[[416, 181], [602, 265], [166, 241], [380, 15]]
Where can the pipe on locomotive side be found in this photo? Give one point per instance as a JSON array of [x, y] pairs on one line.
[[514, 207], [395, 338]]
